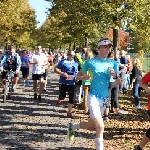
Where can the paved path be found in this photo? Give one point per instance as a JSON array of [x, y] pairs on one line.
[[26, 125]]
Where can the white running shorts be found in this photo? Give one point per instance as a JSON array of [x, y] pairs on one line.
[[95, 106]]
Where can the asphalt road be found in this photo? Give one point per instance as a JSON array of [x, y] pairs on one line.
[[27, 125]]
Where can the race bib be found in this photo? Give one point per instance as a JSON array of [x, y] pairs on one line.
[[106, 102], [70, 77]]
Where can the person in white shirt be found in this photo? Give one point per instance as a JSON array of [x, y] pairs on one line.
[[38, 71], [46, 71]]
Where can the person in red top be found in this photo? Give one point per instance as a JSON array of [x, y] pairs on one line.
[[146, 138]]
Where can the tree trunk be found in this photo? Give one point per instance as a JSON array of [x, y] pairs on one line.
[[115, 39]]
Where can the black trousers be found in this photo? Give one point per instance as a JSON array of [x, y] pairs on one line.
[[63, 88], [113, 94]]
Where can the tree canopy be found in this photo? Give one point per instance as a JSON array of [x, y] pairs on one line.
[[18, 22], [71, 19]]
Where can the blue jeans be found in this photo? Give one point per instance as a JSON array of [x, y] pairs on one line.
[[125, 81], [136, 94], [128, 80]]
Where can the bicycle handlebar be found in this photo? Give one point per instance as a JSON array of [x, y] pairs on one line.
[[9, 71]]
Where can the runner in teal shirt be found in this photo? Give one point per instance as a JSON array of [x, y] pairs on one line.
[[102, 69], [101, 75]]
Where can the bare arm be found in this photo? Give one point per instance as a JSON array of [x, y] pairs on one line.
[[82, 76], [33, 62], [58, 71]]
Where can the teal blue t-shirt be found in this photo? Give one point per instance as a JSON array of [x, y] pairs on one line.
[[101, 76]]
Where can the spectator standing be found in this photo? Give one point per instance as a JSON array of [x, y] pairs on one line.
[[123, 75], [136, 75]]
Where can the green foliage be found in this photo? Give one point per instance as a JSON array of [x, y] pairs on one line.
[[73, 18], [17, 19]]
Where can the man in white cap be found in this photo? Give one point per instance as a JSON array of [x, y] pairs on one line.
[[102, 69]]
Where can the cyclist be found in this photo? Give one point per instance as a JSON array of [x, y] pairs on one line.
[[11, 61]]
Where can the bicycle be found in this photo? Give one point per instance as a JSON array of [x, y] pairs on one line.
[[8, 85]]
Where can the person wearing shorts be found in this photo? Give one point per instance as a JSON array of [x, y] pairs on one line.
[[46, 71], [25, 67], [38, 71], [11, 61], [102, 69], [67, 68]]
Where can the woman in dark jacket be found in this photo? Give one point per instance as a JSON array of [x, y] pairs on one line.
[[136, 75]]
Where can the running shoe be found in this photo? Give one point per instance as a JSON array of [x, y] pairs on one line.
[[70, 133]]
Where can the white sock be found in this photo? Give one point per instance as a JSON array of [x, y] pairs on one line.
[[75, 126], [99, 143]]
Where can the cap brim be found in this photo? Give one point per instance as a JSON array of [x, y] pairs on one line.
[[105, 42], [110, 45]]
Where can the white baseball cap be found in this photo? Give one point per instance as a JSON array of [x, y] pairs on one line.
[[104, 42]]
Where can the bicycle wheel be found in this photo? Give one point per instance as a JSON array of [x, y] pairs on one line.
[[10, 89], [5, 92]]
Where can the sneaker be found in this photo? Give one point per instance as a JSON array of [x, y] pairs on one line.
[[13, 89], [27, 82], [136, 147], [69, 115], [35, 96], [116, 116], [8, 96], [121, 111], [44, 90], [105, 118], [70, 133], [24, 84], [39, 98], [138, 107], [124, 91], [58, 102]]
